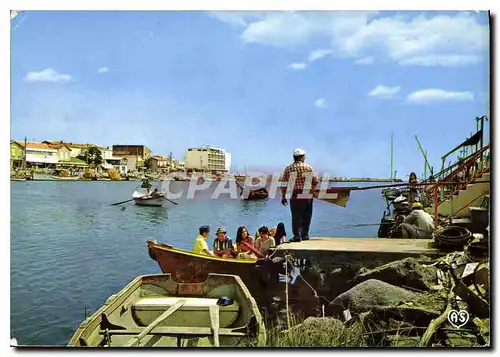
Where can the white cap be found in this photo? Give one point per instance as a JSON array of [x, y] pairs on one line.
[[299, 152]]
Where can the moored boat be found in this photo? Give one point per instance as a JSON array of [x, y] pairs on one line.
[[158, 311], [37, 176], [258, 275], [259, 194]]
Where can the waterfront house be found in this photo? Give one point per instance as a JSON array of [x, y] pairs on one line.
[[160, 164], [16, 155], [75, 149], [108, 160], [40, 155], [118, 163]]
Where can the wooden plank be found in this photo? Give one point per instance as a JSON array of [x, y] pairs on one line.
[[176, 330], [376, 245], [214, 322], [145, 331]]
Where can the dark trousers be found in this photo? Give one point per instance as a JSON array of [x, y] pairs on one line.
[[301, 217]]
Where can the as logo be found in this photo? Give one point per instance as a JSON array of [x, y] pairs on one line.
[[458, 318]]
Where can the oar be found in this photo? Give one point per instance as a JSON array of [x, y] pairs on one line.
[[119, 203], [175, 203]]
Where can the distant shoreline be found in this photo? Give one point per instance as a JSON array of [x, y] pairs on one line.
[[366, 180]]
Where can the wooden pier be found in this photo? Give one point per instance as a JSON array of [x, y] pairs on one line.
[[358, 252]]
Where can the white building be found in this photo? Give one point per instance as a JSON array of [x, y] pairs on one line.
[[207, 158], [40, 153], [228, 162]]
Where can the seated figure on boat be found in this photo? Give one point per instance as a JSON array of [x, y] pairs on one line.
[[223, 245], [244, 243], [396, 231], [155, 193], [265, 241], [280, 235], [418, 224], [146, 184], [200, 244]]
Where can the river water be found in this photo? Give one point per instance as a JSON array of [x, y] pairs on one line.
[[71, 250]]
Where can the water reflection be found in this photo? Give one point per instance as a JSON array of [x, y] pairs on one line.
[[155, 215], [256, 206]]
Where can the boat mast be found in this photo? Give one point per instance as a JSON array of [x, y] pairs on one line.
[[424, 153], [392, 156]]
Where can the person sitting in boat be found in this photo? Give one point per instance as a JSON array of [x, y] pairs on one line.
[[200, 244], [223, 245], [280, 235], [396, 231], [265, 241], [401, 206], [244, 243], [146, 184], [418, 224], [155, 193]]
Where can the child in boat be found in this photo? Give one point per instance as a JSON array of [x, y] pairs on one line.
[[223, 245], [280, 235], [200, 244], [265, 241], [243, 240]]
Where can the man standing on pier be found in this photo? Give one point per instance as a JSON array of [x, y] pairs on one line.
[[305, 182]]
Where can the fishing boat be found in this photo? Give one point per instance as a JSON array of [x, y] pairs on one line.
[[258, 275], [37, 176], [159, 311], [258, 194], [17, 179], [391, 193]]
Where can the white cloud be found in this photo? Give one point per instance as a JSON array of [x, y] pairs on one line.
[[297, 66], [442, 60], [103, 70], [318, 54], [438, 95], [48, 75], [454, 39], [235, 19], [365, 61], [384, 92], [320, 103]]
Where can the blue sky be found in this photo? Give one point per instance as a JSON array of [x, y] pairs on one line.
[[257, 84]]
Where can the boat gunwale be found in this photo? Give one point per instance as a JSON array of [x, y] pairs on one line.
[[200, 256]]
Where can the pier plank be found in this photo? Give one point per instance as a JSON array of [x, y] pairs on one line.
[[362, 245]]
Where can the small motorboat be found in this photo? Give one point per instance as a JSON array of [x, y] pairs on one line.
[[156, 311]]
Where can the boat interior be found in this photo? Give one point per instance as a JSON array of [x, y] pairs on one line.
[[155, 311]]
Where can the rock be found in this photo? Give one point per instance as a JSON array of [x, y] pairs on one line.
[[372, 293], [323, 332], [407, 272]]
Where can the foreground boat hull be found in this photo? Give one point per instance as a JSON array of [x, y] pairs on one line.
[[260, 276], [157, 311]]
